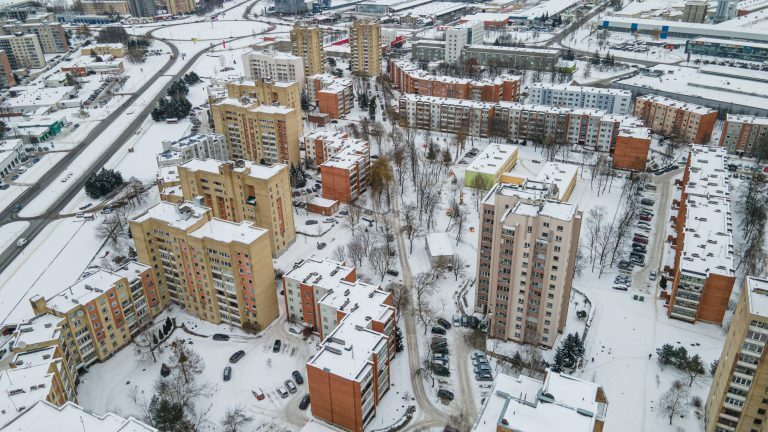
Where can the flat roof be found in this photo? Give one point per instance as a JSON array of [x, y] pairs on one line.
[[22, 387], [181, 216], [413, 70], [554, 209], [39, 329], [492, 158], [439, 244], [44, 416], [685, 106], [226, 232], [558, 173], [580, 89], [83, 291], [757, 295], [258, 171], [325, 273]]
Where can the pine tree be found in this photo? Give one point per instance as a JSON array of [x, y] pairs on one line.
[[665, 354], [304, 101], [154, 339], [168, 322], [399, 339], [578, 345], [372, 109], [558, 362]]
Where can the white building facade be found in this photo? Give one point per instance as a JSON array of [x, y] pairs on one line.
[[274, 65]]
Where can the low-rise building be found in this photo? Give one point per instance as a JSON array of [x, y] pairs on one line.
[[86, 65], [559, 403], [685, 121], [703, 272], [244, 191], [38, 98], [219, 271], [613, 101], [743, 133], [11, 153], [198, 146], [409, 78], [43, 416], [486, 169], [438, 248], [333, 96], [114, 50]]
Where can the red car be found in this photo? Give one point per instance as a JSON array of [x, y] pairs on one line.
[[259, 395], [645, 218]]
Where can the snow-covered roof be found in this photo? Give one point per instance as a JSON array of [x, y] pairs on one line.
[[226, 232], [325, 273], [437, 8], [83, 291], [21, 388], [748, 119], [10, 145], [315, 425], [680, 105], [486, 17], [354, 152], [322, 202], [44, 416], [258, 171], [531, 190], [181, 216], [553, 209], [558, 173], [513, 49], [493, 158], [580, 89], [272, 109], [39, 329], [439, 244], [415, 71], [168, 174], [757, 296], [560, 403], [38, 96], [436, 100]]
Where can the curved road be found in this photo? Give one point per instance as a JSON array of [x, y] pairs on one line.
[[39, 222]]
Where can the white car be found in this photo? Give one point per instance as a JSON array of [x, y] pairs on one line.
[[21, 242], [283, 392]]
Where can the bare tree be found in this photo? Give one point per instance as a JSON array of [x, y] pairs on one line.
[[111, 229], [186, 360], [340, 254], [136, 190], [458, 218], [411, 225], [458, 265], [352, 218], [235, 419], [146, 344], [356, 251], [401, 299], [377, 133], [380, 260], [673, 401], [423, 286]]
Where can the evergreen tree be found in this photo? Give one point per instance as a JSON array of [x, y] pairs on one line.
[[680, 357], [663, 282], [713, 367], [304, 101], [169, 322], [160, 334], [372, 109], [362, 99], [154, 339], [595, 58], [169, 416], [558, 362], [665, 354], [399, 339]]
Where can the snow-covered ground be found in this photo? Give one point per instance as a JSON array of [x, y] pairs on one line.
[[10, 232]]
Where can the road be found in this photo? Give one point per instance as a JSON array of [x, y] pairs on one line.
[[37, 224]]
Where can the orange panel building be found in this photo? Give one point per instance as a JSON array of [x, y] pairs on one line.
[[631, 151], [333, 96], [688, 122], [344, 174]]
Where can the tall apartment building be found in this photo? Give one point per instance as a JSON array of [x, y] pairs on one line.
[[743, 133], [695, 11], [365, 48], [273, 65], [198, 146], [142, 8], [409, 78], [264, 91], [23, 51], [106, 7], [258, 132], [6, 72], [220, 271], [703, 272], [613, 101], [344, 174], [688, 122], [51, 36], [461, 35], [242, 190], [177, 7], [737, 401], [726, 10], [559, 403], [350, 373], [526, 257], [307, 43], [99, 314], [333, 96]]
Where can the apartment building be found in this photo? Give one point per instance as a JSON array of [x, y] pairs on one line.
[[559, 403], [409, 78], [51, 36], [737, 401], [631, 149], [688, 122], [613, 101], [590, 128], [264, 91], [350, 373], [142, 8], [307, 43], [42, 416], [333, 96], [99, 314], [273, 65], [256, 132], [344, 174], [461, 35], [23, 51], [199, 146], [178, 7], [242, 190], [743, 133], [219, 271], [703, 272], [365, 48], [306, 283], [106, 7], [524, 229], [6, 73]]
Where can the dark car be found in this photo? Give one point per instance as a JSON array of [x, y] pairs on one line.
[[297, 377], [440, 350], [392, 272], [484, 377], [442, 371], [220, 337], [321, 245], [445, 394], [227, 373], [464, 321], [310, 222], [444, 322], [304, 402], [277, 345], [234, 358], [438, 330]]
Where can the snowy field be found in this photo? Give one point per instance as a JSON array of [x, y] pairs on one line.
[[213, 30]]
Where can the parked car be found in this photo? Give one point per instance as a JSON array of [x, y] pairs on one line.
[[297, 376], [638, 249], [438, 330], [480, 361], [620, 287], [642, 235], [282, 392], [647, 202], [439, 357], [652, 275], [392, 272], [439, 363], [21, 242], [445, 394], [277, 345], [439, 350], [640, 240], [220, 337], [444, 322], [645, 218], [482, 368], [456, 320], [304, 402], [234, 358], [310, 222], [464, 321], [291, 386], [321, 245], [477, 354], [4, 186], [259, 395], [441, 371], [227, 373], [484, 377]]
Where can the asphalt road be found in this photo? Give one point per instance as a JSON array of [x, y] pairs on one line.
[[39, 222]]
